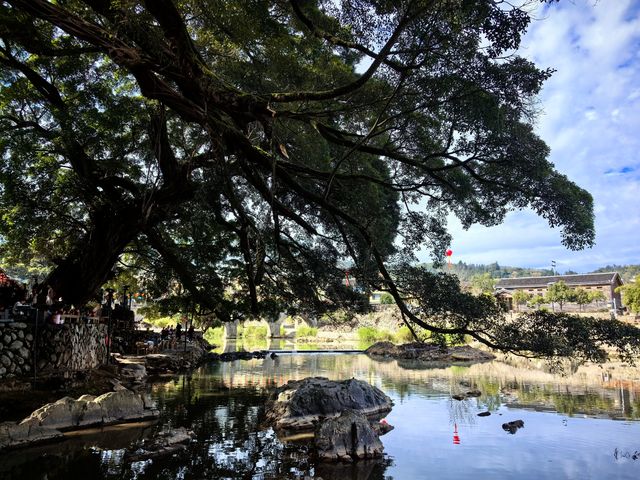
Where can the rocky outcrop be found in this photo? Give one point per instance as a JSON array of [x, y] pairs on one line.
[[19, 435], [49, 421], [428, 352], [132, 372], [231, 356], [300, 403], [346, 438]]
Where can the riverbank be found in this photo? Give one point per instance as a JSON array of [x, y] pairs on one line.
[[19, 396], [223, 404]]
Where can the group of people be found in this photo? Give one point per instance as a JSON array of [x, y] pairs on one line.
[[169, 332]]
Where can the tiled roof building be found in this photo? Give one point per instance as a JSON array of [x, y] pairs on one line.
[[604, 282]]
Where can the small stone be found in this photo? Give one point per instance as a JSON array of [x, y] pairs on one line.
[[20, 334], [24, 353], [16, 345], [7, 338], [484, 414], [2, 371], [28, 337], [6, 361], [474, 393], [513, 427], [458, 397]]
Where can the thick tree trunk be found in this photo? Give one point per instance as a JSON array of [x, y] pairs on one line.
[[77, 279]]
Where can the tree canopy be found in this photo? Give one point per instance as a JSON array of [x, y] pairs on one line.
[[631, 295], [248, 152]]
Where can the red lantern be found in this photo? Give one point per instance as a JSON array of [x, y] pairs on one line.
[[448, 253]]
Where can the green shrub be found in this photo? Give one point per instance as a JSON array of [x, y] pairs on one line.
[[255, 331], [371, 334], [387, 299], [214, 335], [403, 335], [305, 331]]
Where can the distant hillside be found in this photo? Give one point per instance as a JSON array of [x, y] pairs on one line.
[[465, 271], [627, 272]]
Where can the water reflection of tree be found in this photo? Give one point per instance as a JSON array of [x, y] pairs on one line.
[[222, 404], [230, 442], [568, 402]]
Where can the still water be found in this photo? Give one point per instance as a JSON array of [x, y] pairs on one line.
[[583, 425]]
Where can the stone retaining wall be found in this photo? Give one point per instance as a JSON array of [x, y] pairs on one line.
[[61, 348]]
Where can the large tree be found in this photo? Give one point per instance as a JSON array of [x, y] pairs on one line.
[[249, 149]]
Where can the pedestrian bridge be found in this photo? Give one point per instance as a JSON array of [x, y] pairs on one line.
[[274, 324]]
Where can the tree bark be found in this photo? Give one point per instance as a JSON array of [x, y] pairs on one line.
[[79, 276]]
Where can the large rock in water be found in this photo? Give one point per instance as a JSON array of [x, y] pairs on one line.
[[428, 352], [47, 422], [300, 403], [346, 438], [112, 407]]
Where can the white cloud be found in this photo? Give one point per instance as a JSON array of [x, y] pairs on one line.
[[591, 120]]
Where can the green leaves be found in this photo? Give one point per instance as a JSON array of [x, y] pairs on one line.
[[245, 154]]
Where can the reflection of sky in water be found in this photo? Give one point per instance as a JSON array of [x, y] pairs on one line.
[[547, 446], [222, 402]]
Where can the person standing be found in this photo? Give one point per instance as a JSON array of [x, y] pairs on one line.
[[190, 333]]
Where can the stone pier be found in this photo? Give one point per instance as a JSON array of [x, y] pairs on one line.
[[231, 329], [275, 324]]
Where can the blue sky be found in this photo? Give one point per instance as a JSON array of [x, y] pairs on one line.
[[591, 120]]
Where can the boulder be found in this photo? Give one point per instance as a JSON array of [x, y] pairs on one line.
[[300, 403], [125, 405], [231, 356], [112, 407], [346, 438], [428, 352], [48, 422], [133, 372], [62, 414], [17, 435]]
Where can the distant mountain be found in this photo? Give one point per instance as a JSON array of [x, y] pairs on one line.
[[627, 272], [466, 271]]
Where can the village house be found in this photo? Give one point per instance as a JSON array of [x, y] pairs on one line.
[[604, 282]]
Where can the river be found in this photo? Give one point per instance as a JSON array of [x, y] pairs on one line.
[[582, 425]]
